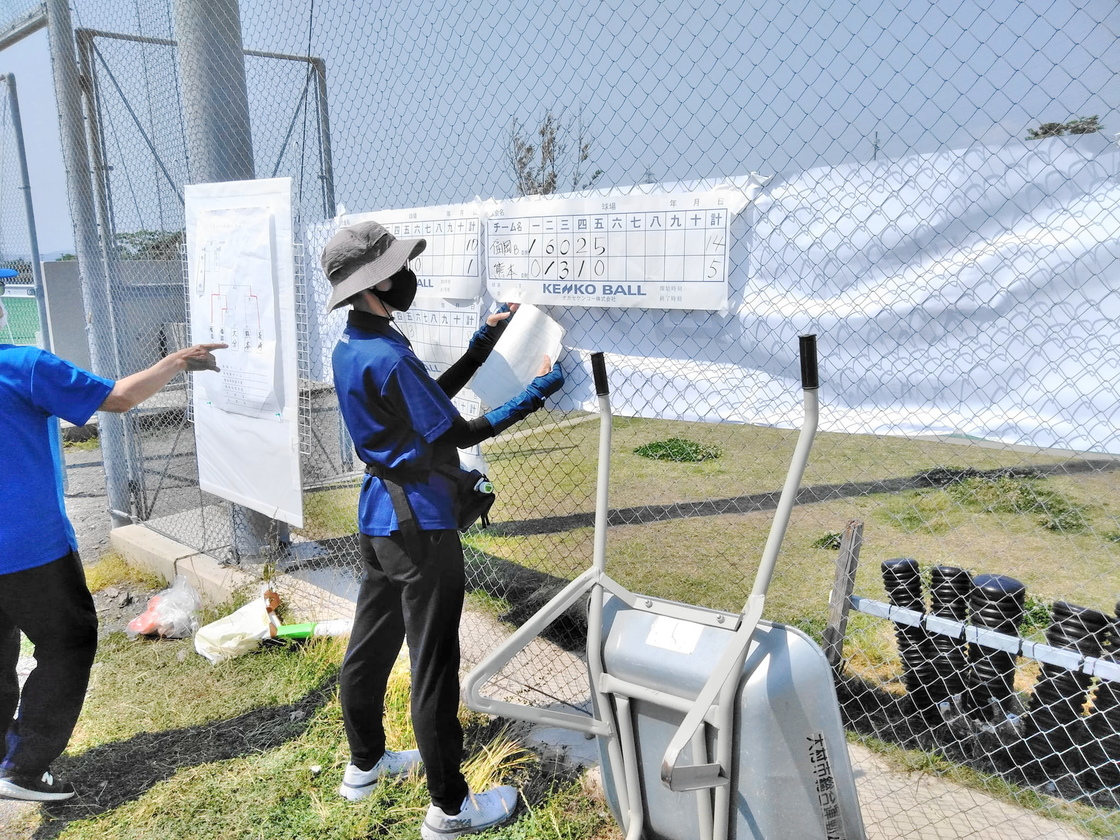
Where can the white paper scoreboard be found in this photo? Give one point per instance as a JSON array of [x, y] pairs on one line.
[[658, 251]]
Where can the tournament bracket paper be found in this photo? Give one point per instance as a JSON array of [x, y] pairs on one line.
[[647, 250], [451, 265], [234, 291], [242, 291]]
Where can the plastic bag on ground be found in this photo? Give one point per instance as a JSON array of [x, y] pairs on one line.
[[239, 632], [171, 614]]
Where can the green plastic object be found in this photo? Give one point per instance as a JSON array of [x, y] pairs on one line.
[[296, 631]]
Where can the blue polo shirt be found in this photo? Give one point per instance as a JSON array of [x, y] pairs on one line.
[[394, 411], [34, 387]]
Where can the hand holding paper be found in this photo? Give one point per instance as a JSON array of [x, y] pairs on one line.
[[517, 357]]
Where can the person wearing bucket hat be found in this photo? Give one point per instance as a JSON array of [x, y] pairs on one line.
[[43, 591], [406, 430], [365, 255]]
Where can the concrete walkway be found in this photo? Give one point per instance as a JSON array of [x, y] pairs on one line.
[[920, 806]]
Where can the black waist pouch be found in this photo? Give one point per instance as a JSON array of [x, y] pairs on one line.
[[473, 494]]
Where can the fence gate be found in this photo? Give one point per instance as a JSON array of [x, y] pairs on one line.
[[139, 164]]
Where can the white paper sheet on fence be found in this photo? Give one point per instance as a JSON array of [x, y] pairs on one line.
[[967, 292], [645, 247], [516, 357], [439, 329], [242, 291]]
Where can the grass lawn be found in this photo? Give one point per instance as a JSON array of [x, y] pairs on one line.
[[711, 560], [1049, 519], [169, 745], [550, 471]]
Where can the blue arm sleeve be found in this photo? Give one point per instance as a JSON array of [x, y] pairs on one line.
[[528, 401]]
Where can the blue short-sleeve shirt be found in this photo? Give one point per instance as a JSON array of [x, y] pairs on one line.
[[34, 387], [394, 411]]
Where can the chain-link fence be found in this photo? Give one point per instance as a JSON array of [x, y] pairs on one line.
[[936, 199]]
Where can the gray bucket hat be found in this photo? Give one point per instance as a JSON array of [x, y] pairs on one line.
[[361, 256]]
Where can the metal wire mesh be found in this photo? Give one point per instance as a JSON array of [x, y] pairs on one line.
[[887, 132]]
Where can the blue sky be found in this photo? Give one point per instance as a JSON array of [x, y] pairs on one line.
[[422, 96], [29, 62]]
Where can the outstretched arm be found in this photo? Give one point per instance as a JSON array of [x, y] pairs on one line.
[[132, 390], [464, 433]]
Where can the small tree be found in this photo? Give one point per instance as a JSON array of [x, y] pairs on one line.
[[539, 158], [1081, 125], [1050, 129], [1084, 125]]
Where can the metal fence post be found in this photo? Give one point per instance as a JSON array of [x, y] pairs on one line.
[[95, 287]]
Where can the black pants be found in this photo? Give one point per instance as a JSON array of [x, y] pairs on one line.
[[51, 604], [420, 598]]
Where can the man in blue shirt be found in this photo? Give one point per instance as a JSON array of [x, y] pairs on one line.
[[42, 585], [406, 431]]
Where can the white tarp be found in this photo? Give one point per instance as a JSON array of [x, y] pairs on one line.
[[968, 292], [972, 292]]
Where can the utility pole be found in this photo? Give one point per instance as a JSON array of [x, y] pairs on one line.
[[215, 98], [220, 148]]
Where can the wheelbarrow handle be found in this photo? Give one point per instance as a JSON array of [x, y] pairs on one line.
[[808, 353], [720, 686], [599, 372]]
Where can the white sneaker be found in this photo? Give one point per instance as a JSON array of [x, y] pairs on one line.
[[480, 811], [358, 784], [46, 788]]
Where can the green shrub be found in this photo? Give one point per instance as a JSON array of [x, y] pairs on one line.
[[932, 512], [830, 540], [1036, 615], [1018, 494], [678, 449]]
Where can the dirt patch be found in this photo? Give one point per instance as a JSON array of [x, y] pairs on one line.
[[117, 605]]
